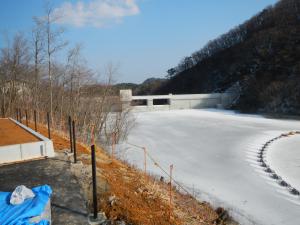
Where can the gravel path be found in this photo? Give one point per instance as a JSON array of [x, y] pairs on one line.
[[68, 205]]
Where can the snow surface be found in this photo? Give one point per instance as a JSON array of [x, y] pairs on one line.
[[215, 154]]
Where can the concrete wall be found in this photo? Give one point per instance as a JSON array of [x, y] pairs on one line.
[[125, 98], [185, 101], [27, 151]]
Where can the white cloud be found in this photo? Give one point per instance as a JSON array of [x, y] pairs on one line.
[[97, 13]]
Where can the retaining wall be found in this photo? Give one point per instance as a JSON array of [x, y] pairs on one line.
[[26, 151]]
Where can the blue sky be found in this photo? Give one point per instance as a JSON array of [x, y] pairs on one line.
[[143, 37]]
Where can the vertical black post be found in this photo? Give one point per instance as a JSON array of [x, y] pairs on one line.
[[74, 142], [48, 123], [70, 133], [26, 116], [95, 204], [35, 125], [3, 112], [20, 112], [17, 114]]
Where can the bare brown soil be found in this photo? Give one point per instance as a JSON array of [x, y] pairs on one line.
[[137, 198], [11, 133]]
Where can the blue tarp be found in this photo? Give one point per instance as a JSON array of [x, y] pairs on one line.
[[20, 214]]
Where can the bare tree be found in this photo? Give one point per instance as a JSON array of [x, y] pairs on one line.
[[38, 56], [74, 66], [30, 75], [15, 66], [53, 45]]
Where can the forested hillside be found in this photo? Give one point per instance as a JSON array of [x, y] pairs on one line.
[[260, 59], [145, 88]]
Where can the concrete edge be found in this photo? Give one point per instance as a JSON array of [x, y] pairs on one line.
[[33, 132], [21, 161], [48, 144]]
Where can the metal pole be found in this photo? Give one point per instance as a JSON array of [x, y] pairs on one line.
[[70, 133], [26, 115], [113, 142], [145, 160], [95, 204], [93, 135], [74, 141], [17, 114], [171, 170], [3, 112], [48, 122], [35, 125], [20, 111]]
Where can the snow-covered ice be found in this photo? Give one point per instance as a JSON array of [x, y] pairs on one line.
[[215, 152]]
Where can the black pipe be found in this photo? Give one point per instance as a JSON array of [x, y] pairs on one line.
[[17, 114], [70, 133], [26, 115], [20, 112], [48, 122], [95, 204], [35, 125], [3, 112], [74, 142]]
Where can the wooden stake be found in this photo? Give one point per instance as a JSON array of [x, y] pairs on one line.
[[113, 137], [145, 160], [93, 135], [171, 173]]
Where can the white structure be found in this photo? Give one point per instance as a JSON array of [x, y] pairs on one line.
[[183, 101], [26, 151]]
